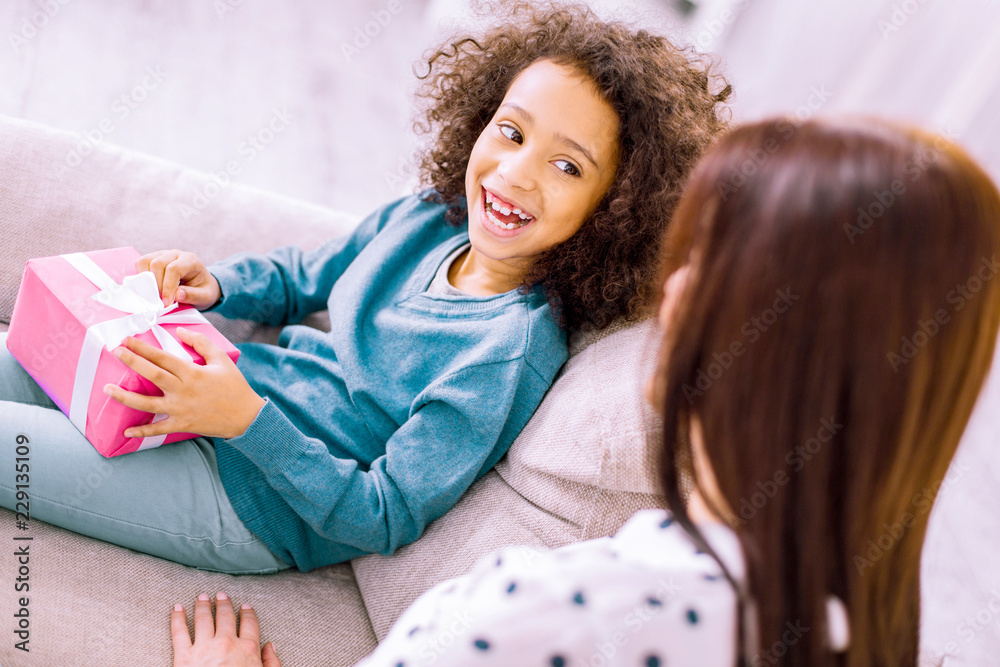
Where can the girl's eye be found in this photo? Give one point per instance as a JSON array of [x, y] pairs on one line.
[[511, 133], [568, 167]]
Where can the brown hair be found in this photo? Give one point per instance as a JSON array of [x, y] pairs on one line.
[[838, 321], [668, 117]]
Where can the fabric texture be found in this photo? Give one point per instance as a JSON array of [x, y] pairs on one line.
[[647, 596]]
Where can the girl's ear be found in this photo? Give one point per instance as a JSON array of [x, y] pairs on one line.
[[673, 289]]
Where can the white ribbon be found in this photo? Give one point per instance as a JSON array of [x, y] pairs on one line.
[[139, 296]]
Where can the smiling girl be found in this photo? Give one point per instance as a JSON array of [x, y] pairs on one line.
[[561, 144]]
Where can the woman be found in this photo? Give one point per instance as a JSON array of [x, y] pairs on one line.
[[820, 362]]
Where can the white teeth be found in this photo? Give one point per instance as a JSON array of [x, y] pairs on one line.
[[492, 202], [493, 219]]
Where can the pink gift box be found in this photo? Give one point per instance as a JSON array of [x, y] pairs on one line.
[[48, 336]]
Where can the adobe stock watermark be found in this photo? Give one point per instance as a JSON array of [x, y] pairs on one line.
[[364, 34], [891, 534], [986, 617], [606, 651], [773, 654], [223, 7], [900, 15], [432, 648], [89, 482], [910, 346], [913, 170], [121, 109], [758, 157], [406, 172], [247, 151], [751, 330], [33, 24], [712, 28], [796, 458]]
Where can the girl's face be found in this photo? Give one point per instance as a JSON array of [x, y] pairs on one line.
[[542, 164]]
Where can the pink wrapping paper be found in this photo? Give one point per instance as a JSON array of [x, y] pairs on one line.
[[54, 308]]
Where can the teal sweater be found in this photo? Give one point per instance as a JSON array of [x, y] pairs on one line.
[[373, 430]]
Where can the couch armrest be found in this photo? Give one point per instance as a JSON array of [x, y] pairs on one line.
[[55, 199]]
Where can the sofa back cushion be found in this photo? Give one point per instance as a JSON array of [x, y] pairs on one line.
[[53, 201], [582, 466]]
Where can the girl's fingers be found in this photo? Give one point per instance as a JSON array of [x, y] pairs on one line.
[[145, 368], [179, 630], [162, 427], [158, 266], [203, 345], [173, 274], [130, 399], [225, 617], [158, 357], [204, 626], [249, 626]]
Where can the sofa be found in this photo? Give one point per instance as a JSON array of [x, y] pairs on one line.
[[579, 469]]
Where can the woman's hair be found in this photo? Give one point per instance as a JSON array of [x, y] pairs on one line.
[[839, 318], [668, 116]]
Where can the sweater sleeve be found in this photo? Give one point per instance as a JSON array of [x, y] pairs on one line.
[[451, 437], [286, 284]]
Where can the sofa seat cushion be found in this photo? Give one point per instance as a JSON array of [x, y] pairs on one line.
[[93, 604]]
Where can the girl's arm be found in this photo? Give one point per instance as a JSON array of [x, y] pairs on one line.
[[457, 430], [287, 284]]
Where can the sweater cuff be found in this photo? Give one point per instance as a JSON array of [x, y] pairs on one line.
[[266, 441], [229, 283]]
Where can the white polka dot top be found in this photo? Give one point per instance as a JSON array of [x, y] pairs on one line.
[[644, 598]]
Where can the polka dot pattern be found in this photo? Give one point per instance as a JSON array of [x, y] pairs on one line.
[[644, 598]]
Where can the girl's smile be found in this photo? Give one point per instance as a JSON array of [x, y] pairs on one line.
[[506, 216], [537, 172]]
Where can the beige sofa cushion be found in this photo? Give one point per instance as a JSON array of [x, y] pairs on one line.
[[115, 197], [579, 470], [93, 604]]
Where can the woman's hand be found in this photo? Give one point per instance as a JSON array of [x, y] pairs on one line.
[[181, 276], [216, 643], [213, 400]]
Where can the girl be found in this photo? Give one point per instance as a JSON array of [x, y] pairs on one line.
[[821, 437], [561, 143]]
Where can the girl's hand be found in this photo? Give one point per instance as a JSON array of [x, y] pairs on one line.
[[213, 400], [215, 641], [183, 276]]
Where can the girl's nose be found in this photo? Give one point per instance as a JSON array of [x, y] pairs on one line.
[[519, 169]]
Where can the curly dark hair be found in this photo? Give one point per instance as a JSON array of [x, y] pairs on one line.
[[668, 114]]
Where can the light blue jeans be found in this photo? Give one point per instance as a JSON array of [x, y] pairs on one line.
[[167, 501]]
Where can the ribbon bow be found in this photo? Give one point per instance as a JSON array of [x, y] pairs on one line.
[[139, 296]]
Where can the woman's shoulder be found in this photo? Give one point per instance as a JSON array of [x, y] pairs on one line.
[[644, 596]]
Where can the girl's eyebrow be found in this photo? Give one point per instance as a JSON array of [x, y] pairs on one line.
[[560, 137]]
